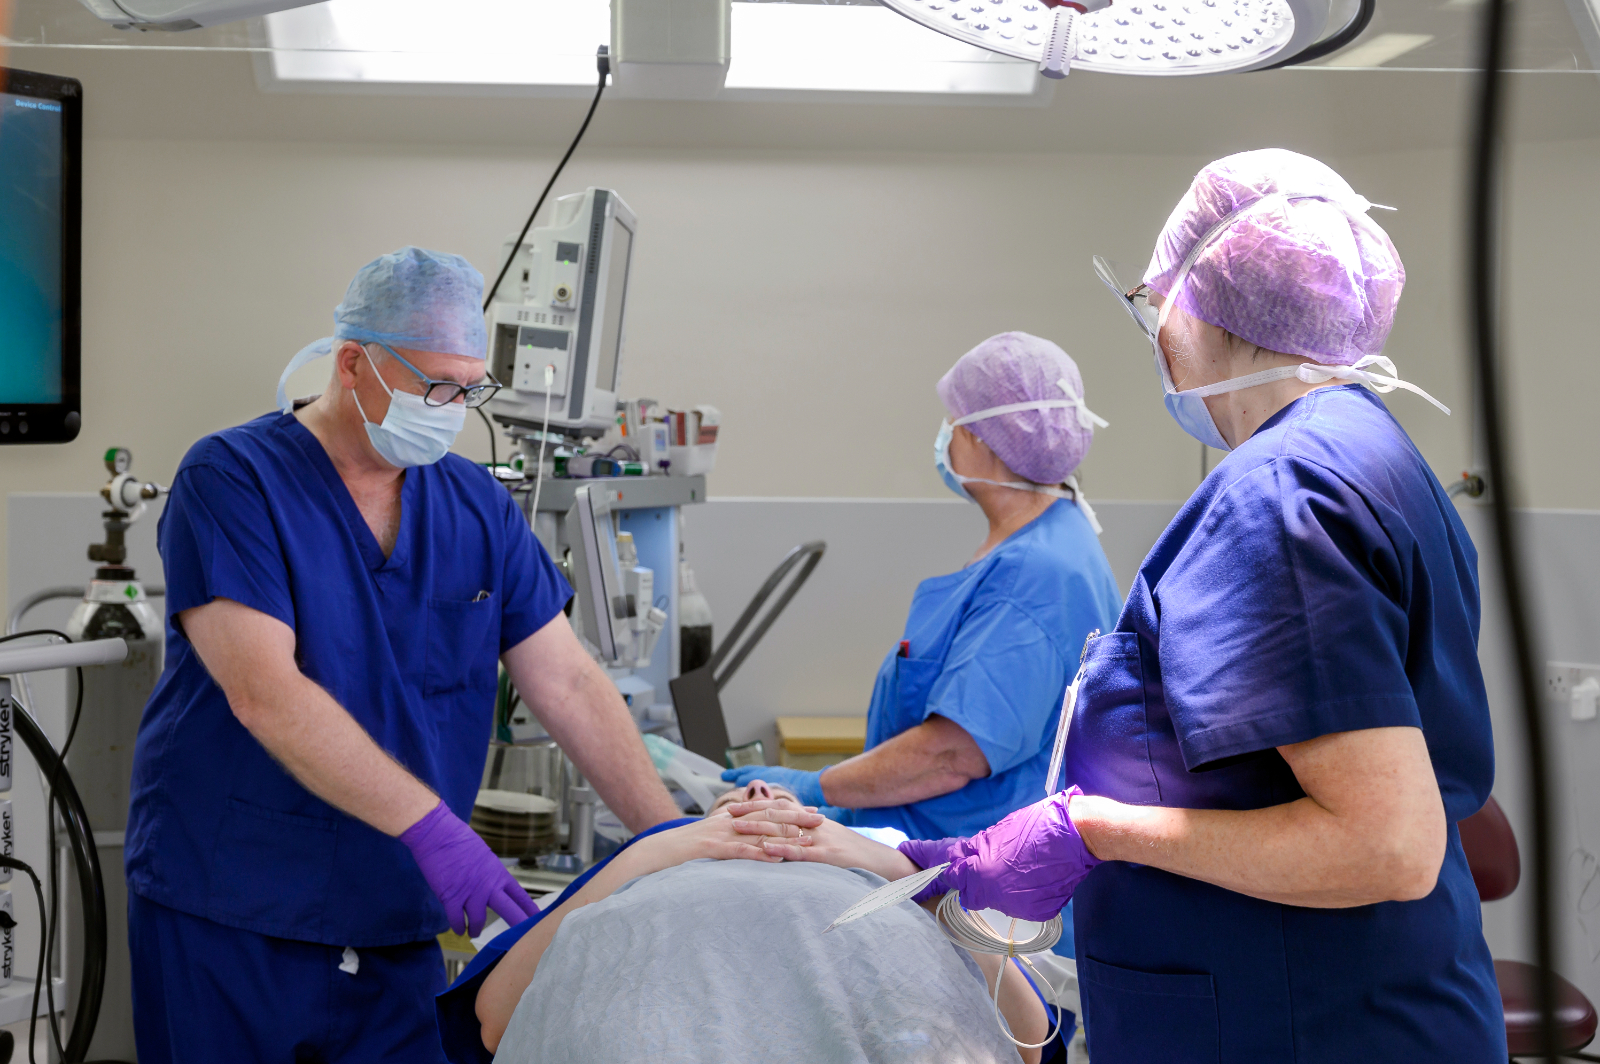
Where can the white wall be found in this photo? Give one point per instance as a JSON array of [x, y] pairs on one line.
[[814, 297]]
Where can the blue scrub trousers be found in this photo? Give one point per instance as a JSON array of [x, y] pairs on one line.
[[204, 993]]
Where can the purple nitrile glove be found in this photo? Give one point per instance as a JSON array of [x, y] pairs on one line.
[[1026, 866], [464, 872]]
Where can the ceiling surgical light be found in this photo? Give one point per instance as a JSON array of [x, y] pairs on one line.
[[1151, 37]]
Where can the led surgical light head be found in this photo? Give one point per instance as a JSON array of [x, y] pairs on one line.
[[1152, 37]]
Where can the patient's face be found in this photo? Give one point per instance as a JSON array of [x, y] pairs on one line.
[[755, 791]]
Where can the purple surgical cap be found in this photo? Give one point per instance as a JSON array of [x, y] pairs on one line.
[[1316, 278], [418, 299], [1044, 446]]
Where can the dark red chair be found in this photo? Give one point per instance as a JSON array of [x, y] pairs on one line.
[[1496, 866]]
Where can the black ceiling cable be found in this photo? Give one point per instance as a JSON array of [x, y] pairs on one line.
[[1483, 301], [1328, 45], [603, 64]]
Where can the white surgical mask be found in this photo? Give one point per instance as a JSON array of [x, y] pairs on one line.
[[413, 433], [1188, 407], [958, 483]]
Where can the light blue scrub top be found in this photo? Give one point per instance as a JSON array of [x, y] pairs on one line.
[[993, 647]]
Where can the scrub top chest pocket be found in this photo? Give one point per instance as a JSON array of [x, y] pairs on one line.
[[1108, 744], [463, 643], [913, 679]]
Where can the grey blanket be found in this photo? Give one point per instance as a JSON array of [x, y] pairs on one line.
[[726, 961]]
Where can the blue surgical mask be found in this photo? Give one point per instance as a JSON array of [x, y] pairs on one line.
[[413, 433], [941, 461], [1189, 408]]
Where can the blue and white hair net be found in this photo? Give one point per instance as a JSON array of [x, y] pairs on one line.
[[412, 298]]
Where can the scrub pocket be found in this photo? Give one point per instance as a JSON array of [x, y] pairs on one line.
[[462, 644], [913, 679], [1108, 746], [1134, 1017], [273, 869]]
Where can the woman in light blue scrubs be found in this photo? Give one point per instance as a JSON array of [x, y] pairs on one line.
[[964, 709]]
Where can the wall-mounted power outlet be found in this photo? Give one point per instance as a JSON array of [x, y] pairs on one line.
[[1564, 679]]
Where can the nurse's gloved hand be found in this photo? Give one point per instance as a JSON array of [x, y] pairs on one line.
[[805, 786], [1026, 866], [465, 873]]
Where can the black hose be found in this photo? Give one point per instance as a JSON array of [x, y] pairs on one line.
[[91, 884], [1328, 45], [603, 63], [44, 951], [494, 457], [1483, 299]]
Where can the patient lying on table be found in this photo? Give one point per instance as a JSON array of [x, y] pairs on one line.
[[665, 955]]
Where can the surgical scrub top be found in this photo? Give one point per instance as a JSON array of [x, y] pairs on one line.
[[1319, 581], [408, 644], [993, 647]]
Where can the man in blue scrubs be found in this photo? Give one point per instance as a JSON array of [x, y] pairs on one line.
[[340, 591], [964, 709]]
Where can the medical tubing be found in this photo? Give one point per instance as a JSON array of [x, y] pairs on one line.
[[91, 884], [39, 598], [494, 455], [1328, 45], [603, 62], [538, 469], [44, 950], [973, 934], [1483, 299]]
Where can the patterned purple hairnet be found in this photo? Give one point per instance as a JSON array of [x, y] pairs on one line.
[[1311, 278], [1044, 446]]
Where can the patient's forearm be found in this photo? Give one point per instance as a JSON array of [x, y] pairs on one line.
[[1018, 1003], [712, 837], [498, 997]]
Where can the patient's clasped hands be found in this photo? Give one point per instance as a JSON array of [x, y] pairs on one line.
[[786, 830]]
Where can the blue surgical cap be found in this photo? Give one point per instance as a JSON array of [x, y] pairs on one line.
[[412, 298]]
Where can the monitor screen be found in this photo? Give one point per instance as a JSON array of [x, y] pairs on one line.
[[40, 141], [605, 375]]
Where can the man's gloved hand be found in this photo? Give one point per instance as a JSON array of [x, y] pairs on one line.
[[464, 872], [807, 786], [1026, 866]]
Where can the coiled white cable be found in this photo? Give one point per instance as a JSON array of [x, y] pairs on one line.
[[538, 475], [972, 932]]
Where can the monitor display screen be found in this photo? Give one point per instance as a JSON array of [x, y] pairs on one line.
[[40, 136], [605, 376]]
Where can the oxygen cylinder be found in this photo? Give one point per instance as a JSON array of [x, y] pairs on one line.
[[100, 759]]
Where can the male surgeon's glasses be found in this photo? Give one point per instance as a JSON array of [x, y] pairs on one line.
[[1136, 300], [443, 393]]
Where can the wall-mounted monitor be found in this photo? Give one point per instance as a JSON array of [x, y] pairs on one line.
[[41, 226]]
